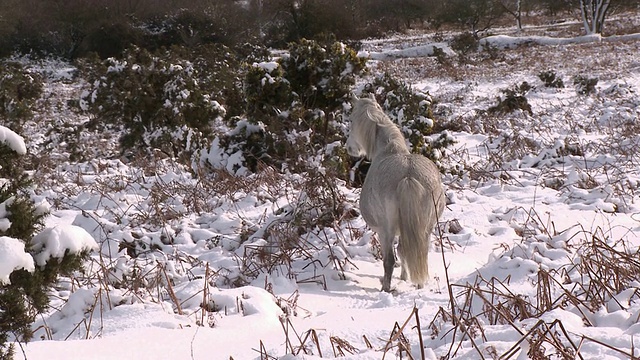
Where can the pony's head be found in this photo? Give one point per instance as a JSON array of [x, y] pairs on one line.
[[363, 121]]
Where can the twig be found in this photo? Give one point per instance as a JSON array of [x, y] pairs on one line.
[[172, 294]]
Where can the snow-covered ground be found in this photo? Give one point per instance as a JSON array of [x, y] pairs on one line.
[[535, 195]]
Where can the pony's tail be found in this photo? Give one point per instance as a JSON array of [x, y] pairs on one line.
[[415, 229]]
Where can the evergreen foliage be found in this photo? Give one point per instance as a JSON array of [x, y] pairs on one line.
[[585, 85], [514, 99], [19, 88], [551, 79], [165, 101], [292, 104], [26, 294], [412, 111]]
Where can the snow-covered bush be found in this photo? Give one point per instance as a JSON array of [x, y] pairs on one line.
[[514, 99], [242, 106], [291, 105], [412, 111], [465, 44], [166, 101], [585, 85], [551, 79], [19, 88], [28, 265]]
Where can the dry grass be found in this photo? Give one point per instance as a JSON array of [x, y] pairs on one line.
[[600, 271]]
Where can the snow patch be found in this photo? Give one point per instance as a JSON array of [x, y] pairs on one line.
[[56, 241], [13, 140], [13, 257]]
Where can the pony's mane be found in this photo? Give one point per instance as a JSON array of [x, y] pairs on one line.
[[370, 119]]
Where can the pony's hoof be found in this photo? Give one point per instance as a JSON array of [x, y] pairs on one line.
[[386, 288], [390, 291]]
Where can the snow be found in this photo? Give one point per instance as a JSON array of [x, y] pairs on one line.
[[268, 66], [56, 241], [13, 257], [193, 302], [417, 51], [51, 242], [13, 140], [5, 224]]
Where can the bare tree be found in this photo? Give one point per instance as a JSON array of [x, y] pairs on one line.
[[513, 8], [593, 15], [478, 15]]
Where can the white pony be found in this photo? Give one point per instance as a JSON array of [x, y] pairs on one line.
[[402, 192]]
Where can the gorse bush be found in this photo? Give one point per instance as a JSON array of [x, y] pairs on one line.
[[26, 293], [19, 89], [292, 103], [248, 106], [465, 44], [550, 79], [412, 111], [514, 99], [321, 75], [165, 101], [585, 85]]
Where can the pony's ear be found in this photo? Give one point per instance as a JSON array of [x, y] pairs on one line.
[[354, 98], [372, 96]]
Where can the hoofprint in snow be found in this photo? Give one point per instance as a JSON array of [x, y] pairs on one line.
[[567, 176]]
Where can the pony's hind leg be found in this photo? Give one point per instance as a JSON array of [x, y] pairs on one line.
[[404, 275], [388, 261]]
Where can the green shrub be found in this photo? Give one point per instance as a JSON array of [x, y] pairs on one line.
[[585, 85], [185, 27], [465, 44], [108, 39], [19, 89], [412, 111], [550, 79], [27, 293], [165, 101], [292, 103], [321, 75], [514, 99]]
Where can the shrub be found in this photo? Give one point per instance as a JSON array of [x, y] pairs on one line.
[[165, 101], [464, 44], [550, 79], [441, 56], [185, 27], [585, 85], [514, 99], [412, 111], [321, 75], [19, 89], [108, 39], [25, 295], [493, 52], [291, 104]]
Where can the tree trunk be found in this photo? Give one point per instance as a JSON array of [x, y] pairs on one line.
[[519, 14], [515, 12], [594, 13]]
